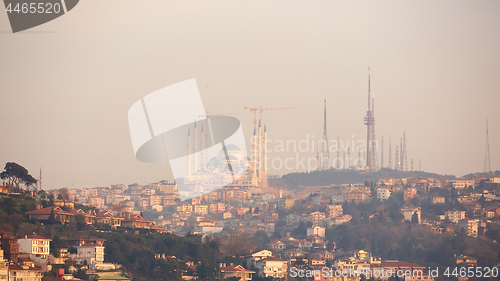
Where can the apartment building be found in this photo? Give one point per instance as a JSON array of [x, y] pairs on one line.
[[272, 267], [35, 245]]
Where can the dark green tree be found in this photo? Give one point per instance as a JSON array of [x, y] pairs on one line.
[[16, 175], [414, 218], [261, 238], [51, 217]]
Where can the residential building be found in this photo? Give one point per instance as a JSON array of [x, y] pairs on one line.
[[270, 217], [334, 211], [276, 245], [316, 218], [136, 221], [438, 200], [409, 193], [357, 196], [107, 218], [24, 273], [383, 194], [201, 209], [463, 183], [272, 267], [455, 215], [84, 240], [286, 203], [260, 255], [90, 254], [317, 230], [409, 211], [4, 267], [465, 260], [236, 271], [9, 245], [35, 245], [44, 214], [470, 226]]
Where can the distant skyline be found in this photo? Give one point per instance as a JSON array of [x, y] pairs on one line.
[[66, 86]]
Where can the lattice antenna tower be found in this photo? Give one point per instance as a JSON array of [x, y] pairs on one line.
[[487, 163], [404, 153]]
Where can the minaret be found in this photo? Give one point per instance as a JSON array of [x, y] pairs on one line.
[[487, 163], [189, 152], [39, 184], [195, 151], [325, 158], [369, 122]]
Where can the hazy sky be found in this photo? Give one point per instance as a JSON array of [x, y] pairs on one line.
[[66, 86]]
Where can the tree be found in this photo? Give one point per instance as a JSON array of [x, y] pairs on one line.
[[414, 218], [51, 217], [15, 175], [261, 238], [237, 243]]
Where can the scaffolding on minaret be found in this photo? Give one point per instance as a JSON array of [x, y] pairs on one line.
[[487, 163]]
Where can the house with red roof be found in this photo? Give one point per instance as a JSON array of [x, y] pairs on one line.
[[137, 221], [107, 218], [88, 217], [236, 271], [24, 272], [43, 214]]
